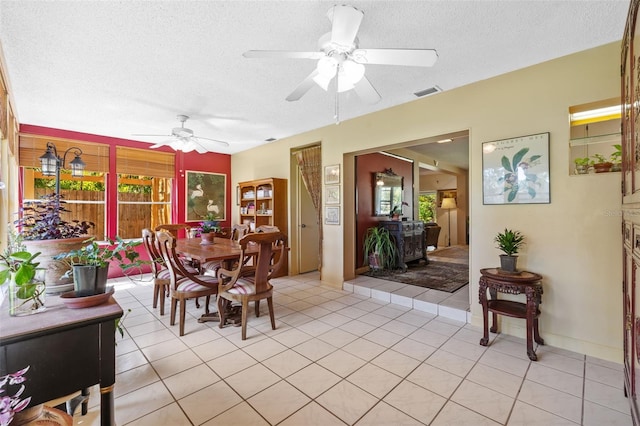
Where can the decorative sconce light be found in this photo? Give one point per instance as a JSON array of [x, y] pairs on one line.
[[52, 163]]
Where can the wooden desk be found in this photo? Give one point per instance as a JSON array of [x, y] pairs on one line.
[[67, 349], [495, 281]]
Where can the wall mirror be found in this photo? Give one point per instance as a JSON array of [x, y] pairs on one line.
[[387, 189]]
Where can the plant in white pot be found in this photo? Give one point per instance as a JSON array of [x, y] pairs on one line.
[[509, 242], [90, 264], [43, 230]]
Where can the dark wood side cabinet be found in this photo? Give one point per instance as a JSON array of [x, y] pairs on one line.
[[630, 84], [67, 350], [409, 237]]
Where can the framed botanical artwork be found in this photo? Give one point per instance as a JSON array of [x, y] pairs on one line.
[[205, 193], [516, 170], [332, 174], [446, 193], [332, 215], [332, 194]]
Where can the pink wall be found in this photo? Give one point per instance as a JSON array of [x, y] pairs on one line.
[[209, 162], [366, 165]]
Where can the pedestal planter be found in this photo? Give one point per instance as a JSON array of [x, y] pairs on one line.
[[55, 269], [89, 280]]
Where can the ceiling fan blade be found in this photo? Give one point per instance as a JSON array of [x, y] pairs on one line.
[[282, 54], [223, 143], [163, 143], [345, 24], [141, 134], [366, 91], [303, 87], [409, 57]]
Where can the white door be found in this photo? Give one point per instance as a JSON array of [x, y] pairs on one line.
[[309, 234]]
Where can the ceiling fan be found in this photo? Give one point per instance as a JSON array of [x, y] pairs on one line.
[[341, 57], [183, 139]]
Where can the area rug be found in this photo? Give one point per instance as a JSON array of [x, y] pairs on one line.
[[441, 276], [461, 253]]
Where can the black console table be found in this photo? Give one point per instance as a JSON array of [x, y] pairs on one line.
[[68, 350], [409, 238]]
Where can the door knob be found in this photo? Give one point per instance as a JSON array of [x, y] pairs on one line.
[[303, 226]]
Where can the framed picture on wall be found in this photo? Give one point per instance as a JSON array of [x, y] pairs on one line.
[[332, 215], [205, 193], [332, 174], [332, 194], [446, 193], [516, 170]]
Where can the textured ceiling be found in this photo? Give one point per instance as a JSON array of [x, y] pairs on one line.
[[118, 68]]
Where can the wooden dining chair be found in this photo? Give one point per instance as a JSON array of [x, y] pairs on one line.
[[211, 267], [183, 285], [233, 286]]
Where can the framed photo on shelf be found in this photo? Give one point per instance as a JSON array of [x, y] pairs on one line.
[[332, 174], [516, 170], [332, 194], [332, 215], [205, 193]]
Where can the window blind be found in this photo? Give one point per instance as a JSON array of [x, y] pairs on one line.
[[144, 162], [32, 147]]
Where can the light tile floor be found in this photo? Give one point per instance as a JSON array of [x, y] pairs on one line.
[[342, 357]]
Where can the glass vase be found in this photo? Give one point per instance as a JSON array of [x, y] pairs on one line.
[[26, 299]]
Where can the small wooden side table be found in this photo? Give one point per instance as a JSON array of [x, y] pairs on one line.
[[529, 283]]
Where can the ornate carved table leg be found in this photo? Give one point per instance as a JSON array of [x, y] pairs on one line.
[[485, 311], [531, 309], [494, 317]]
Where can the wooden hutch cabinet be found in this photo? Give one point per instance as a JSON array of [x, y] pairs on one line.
[[630, 73], [264, 202]]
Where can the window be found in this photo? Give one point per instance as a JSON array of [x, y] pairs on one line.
[[427, 206], [144, 190], [85, 197]]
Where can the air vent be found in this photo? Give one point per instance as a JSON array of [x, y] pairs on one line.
[[429, 91], [270, 140]]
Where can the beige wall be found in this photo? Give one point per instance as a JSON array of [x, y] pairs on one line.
[[574, 241]]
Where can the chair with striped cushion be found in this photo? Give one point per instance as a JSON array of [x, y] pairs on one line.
[[211, 267], [233, 286], [183, 284], [159, 270]]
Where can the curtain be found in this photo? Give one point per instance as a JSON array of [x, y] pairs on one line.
[[309, 163]]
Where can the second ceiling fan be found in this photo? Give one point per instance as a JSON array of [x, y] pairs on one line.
[[340, 57]]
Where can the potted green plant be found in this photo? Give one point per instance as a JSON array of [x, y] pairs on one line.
[[601, 164], [509, 242], [616, 158], [18, 268], [208, 228], [43, 230], [379, 249], [90, 264], [582, 165]]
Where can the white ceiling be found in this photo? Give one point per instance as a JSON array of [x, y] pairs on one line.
[[116, 68]]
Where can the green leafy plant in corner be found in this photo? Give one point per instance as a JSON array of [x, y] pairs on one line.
[[510, 178], [16, 261], [582, 161], [509, 241], [616, 156], [94, 254], [378, 241]]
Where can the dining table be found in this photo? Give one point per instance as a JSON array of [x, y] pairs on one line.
[[225, 250]]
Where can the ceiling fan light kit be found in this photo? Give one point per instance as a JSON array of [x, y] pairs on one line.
[[340, 57], [184, 139]]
